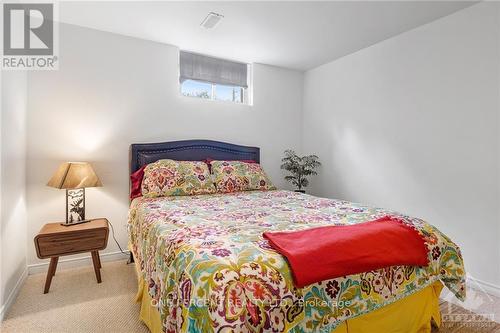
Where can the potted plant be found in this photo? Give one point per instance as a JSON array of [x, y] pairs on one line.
[[299, 168]]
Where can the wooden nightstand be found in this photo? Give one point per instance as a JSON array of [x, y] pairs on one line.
[[55, 240]]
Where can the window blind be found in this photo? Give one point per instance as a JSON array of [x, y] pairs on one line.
[[212, 70]]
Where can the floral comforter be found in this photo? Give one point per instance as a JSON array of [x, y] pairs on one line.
[[208, 268]]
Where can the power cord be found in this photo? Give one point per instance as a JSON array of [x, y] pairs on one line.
[[118, 244]]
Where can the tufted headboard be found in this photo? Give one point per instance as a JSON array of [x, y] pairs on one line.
[[189, 150]]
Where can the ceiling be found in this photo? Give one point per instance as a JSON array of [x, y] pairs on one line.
[[297, 35]]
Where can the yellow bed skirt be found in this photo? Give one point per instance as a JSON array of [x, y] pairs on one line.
[[412, 314]]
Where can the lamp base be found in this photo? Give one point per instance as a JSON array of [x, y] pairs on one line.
[[68, 224], [75, 206]]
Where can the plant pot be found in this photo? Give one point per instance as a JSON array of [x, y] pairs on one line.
[[301, 191]]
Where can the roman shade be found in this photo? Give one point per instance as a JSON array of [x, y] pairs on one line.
[[212, 70]]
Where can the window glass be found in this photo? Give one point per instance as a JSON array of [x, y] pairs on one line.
[[198, 89], [228, 93], [218, 92]]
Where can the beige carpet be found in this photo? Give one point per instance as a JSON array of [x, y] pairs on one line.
[[459, 320], [76, 303]]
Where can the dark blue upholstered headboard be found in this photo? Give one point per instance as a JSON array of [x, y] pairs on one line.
[[189, 150]]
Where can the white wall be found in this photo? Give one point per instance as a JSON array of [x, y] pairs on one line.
[[412, 124], [12, 185], [111, 91]]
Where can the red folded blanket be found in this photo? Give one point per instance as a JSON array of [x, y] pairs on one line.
[[328, 252]]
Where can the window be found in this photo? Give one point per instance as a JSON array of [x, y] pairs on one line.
[[213, 78], [217, 92]]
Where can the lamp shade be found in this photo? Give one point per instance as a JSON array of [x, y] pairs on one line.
[[73, 175]]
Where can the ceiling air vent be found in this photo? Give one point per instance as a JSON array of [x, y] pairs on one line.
[[211, 20]]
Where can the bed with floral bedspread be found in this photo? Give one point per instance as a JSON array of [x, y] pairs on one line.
[[208, 268]]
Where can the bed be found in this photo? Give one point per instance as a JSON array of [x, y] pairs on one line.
[[203, 265]]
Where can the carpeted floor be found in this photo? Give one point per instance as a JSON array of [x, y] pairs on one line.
[[459, 320], [76, 303]]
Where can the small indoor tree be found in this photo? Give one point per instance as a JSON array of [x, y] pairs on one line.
[[299, 168]]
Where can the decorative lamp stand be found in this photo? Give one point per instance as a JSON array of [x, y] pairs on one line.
[[74, 177], [75, 206]]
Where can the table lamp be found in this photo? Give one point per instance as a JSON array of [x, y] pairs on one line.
[[74, 177]]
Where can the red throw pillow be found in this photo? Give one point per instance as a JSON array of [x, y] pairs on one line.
[[136, 182]]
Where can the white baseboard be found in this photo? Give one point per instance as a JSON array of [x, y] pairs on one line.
[[76, 262], [486, 287], [13, 294]]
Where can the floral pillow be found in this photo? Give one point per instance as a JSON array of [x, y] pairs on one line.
[[235, 176], [172, 178]]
